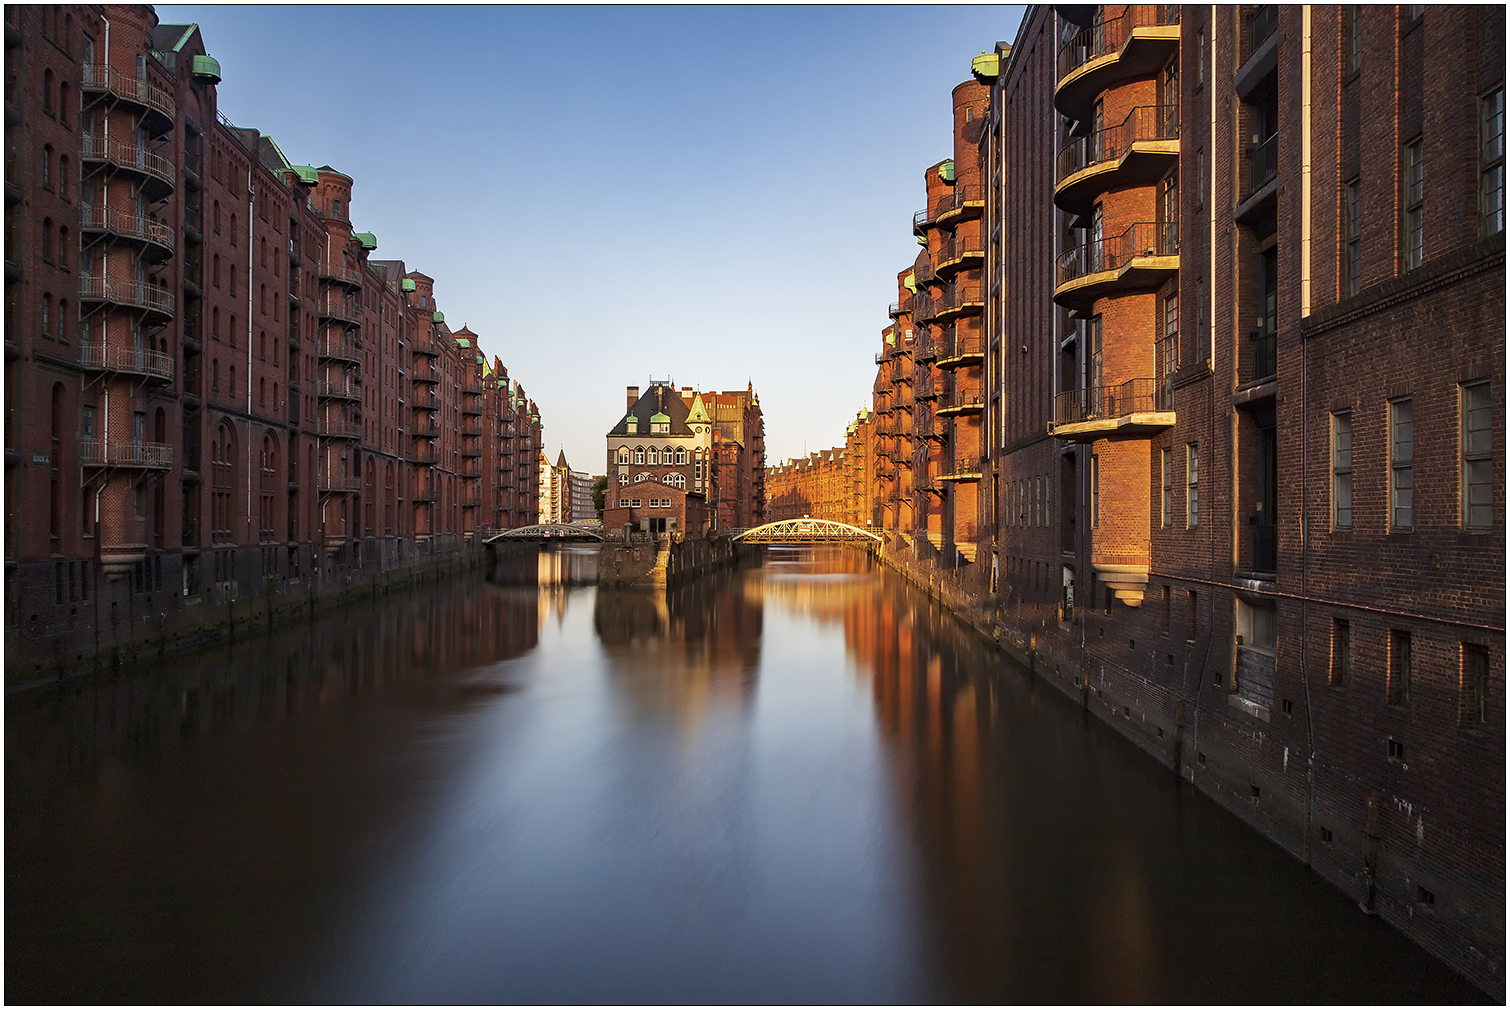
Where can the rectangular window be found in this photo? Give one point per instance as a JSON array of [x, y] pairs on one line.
[[1475, 687], [1477, 491], [1342, 653], [1399, 667], [1352, 237], [1492, 162], [1354, 38], [1170, 347], [1191, 601], [1166, 480], [1095, 492], [1402, 478], [1413, 199], [1192, 486], [1342, 470]]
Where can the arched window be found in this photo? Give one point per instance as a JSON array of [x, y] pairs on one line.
[[263, 296], [262, 345], [623, 480], [233, 232], [669, 479], [653, 457], [48, 249], [681, 457], [47, 166], [231, 386], [262, 392], [63, 246], [681, 480], [639, 456], [641, 478], [233, 278], [624, 455], [264, 252]]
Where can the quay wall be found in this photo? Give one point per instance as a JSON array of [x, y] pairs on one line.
[[1232, 758], [661, 564]]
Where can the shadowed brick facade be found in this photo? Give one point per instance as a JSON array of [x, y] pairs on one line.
[[214, 391], [1241, 469]]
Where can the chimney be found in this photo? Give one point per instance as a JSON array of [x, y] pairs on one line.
[[632, 393]]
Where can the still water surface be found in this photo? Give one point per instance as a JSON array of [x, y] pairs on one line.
[[794, 782]]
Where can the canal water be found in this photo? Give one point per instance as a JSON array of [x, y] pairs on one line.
[[797, 781]]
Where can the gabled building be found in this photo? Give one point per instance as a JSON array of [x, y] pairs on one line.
[[661, 438]]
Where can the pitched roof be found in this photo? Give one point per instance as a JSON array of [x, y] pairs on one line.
[[656, 402]]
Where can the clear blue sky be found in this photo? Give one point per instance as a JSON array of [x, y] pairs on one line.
[[721, 195]]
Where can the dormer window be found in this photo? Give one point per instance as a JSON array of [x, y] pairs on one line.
[[662, 428], [633, 423]]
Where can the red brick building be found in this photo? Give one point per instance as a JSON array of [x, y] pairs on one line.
[[213, 390], [1225, 459]]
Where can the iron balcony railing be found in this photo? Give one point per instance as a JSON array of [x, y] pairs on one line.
[[967, 344], [958, 248], [133, 157], [339, 310], [340, 429], [960, 295], [960, 402], [1262, 164], [1146, 238], [1262, 20], [1094, 403], [341, 274], [140, 455], [425, 344], [962, 194], [131, 360], [100, 77], [923, 308], [898, 308], [139, 294], [422, 373], [1109, 35], [338, 390], [344, 350], [425, 452], [332, 484], [425, 494], [923, 271], [131, 226], [961, 464], [1265, 359], [1111, 143]]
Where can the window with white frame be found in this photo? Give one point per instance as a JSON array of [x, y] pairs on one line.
[[1492, 162], [1192, 486], [1342, 470], [1402, 474], [1413, 199], [1477, 490]]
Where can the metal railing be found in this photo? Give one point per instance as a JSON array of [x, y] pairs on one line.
[[962, 464], [143, 455], [1135, 396], [340, 429], [923, 308], [1265, 358], [344, 350], [341, 274], [132, 226], [132, 360], [961, 195], [424, 399], [1261, 164], [959, 247], [961, 294], [425, 494], [100, 77], [339, 390], [331, 484], [139, 294], [128, 156], [1262, 20], [421, 373], [1111, 143], [968, 344], [923, 272], [1146, 238], [960, 402], [424, 345], [330, 309], [1108, 36]]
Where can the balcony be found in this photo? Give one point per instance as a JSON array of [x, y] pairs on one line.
[[1135, 409], [924, 309], [960, 469], [1259, 43], [965, 201], [1257, 383], [472, 405], [156, 103], [1258, 180], [963, 298], [337, 391], [959, 405], [426, 345], [472, 386], [424, 398], [341, 275], [960, 252], [339, 311], [152, 365], [425, 494], [340, 428], [331, 484], [961, 350], [1133, 45], [899, 308], [1143, 256], [154, 237], [472, 427], [425, 453], [339, 350], [147, 298], [922, 272], [425, 373], [128, 455], [156, 172], [1138, 150], [471, 450]]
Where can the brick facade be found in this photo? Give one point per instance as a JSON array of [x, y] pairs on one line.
[[213, 388]]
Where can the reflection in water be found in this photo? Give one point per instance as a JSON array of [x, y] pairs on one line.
[[791, 782]]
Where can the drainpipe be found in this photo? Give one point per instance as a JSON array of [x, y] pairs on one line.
[[1305, 406], [250, 204]]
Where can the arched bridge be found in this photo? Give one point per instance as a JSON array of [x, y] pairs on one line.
[[807, 531], [545, 531]]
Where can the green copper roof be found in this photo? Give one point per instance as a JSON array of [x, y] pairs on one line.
[[463, 342], [659, 418], [439, 317], [306, 174], [407, 284], [986, 65], [368, 240], [205, 66], [910, 282], [946, 171]]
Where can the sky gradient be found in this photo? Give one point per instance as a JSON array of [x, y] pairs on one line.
[[719, 195]]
